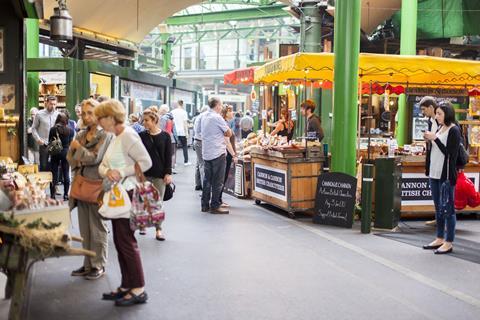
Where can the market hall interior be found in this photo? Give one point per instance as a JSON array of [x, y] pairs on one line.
[[329, 206]]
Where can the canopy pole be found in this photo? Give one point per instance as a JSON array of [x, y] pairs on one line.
[[345, 113], [408, 46]]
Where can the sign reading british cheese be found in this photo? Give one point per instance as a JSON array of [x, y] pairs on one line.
[[270, 181]]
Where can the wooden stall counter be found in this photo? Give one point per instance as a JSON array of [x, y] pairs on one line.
[[285, 179], [416, 194]]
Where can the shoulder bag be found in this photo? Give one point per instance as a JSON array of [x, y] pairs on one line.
[[55, 146], [86, 189]]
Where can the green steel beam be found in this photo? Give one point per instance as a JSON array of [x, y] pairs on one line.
[[263, 12], [274, 27]]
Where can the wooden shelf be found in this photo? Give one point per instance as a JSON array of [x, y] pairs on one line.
[[469, 122]]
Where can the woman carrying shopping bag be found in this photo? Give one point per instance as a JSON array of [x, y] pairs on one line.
[[85, 154], [159, 146], [118, 166], [442, 172]]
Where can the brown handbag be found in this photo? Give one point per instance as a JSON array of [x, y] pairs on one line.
[[86, 189]]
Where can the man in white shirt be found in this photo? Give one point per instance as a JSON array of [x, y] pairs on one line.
[[428, 106], [44, 120], [180, 117]]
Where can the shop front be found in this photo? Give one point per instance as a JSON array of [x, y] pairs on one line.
[[382, 78]]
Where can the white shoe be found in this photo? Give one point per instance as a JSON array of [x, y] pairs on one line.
[[187, 164]]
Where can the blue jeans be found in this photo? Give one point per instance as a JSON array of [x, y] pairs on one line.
[[214, 171], [448, 219]]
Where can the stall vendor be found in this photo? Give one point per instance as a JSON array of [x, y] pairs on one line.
[[314, 127], [285, 126]]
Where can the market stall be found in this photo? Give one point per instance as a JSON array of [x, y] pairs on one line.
[[381, 79], [33, 227]]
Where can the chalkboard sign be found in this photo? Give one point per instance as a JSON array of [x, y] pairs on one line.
[[335, 199]]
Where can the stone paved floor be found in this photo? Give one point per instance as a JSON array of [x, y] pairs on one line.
[[257, 264]]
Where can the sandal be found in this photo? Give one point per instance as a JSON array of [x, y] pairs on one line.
[[114, 295], [134, 299]]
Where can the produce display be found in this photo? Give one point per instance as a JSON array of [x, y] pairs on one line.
[[27, 192]]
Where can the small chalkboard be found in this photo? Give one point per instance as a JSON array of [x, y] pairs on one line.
[[335, 199]]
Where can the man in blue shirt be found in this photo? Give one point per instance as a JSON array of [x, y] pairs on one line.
[[214, 129]]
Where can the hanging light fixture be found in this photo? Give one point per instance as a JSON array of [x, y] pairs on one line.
[[61, 22]]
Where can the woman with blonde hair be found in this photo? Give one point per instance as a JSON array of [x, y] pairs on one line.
[[118, 166], [159, 146], [85, 154]]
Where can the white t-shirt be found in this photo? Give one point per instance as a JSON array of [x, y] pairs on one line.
[[434, 125], [180, 116]]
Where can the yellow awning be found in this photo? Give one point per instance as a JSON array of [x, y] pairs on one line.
[[415, 70]]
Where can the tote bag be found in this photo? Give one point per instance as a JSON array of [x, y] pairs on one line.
[[116, 203]]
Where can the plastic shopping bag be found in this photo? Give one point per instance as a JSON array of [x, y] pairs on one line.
[[116, 203]]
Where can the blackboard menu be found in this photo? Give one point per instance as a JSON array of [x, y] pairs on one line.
[[335, 199]]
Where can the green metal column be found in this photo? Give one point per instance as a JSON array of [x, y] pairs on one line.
[[345, 109], [32, 34], [311, 25], [408, 46], [311, 38], [167, 52]]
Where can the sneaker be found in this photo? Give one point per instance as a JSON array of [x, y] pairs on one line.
[[80, 272], [95, 273], [205, 209], [197, 188], [432, 223], [187, 164], [174, 171], [225, 205], [219, 211]]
